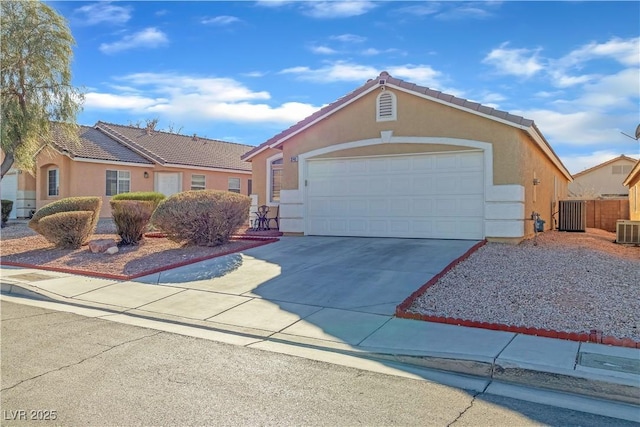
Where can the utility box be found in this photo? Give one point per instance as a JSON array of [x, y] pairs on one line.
[[572, 215], [540, 225]]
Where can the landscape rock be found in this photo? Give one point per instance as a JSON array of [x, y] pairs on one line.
[[101, 245], [112, 250]]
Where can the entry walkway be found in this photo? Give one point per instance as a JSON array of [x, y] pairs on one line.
[[339, 295]]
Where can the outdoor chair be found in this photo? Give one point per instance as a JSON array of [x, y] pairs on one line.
[[275, 218]]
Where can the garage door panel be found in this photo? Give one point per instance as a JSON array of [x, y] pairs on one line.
[[422, 195]]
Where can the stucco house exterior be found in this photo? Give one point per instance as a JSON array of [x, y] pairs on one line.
[[112, 159], [19, 187], [604, 180], [632, 181], [394, 159]]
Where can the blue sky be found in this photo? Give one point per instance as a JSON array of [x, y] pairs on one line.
[[243, 71]]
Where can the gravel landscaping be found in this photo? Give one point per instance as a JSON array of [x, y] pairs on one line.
[[568, 282]]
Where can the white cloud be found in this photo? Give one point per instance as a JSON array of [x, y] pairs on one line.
[[220, 20], [348, 38], [187, 98], [148, 38], [468, 10], [343, 71], [339, 71], [102, 12], [623, 51], [323, 50], [109, 101], [337, 9], [517, 62], [423, 9]]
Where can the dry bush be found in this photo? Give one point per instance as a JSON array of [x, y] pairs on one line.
[[149, 196], [67, 230], [69, 204], [202, 217], [131, 218]]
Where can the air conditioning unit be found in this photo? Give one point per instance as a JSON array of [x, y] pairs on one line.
[[628, 232], [572, 215]]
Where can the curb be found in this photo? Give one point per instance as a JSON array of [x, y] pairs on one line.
[[259, 241], [593, 336], [601, 387]]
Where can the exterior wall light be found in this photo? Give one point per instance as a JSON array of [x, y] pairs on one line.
[[536, 181], [146, 174]]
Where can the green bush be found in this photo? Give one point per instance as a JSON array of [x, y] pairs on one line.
[[149, 196], [7, 206], [67, 230], [131, 218], [201, 217], [69, 204]]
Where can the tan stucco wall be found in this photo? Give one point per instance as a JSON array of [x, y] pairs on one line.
[[89, 179], [634, 198], [542, 198], [415, 117]]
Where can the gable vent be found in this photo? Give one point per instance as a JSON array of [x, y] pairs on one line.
[[386, 106]]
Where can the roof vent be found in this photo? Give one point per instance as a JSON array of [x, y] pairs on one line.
[[382, 82], [194, 137]]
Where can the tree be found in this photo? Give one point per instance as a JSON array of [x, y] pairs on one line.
[[36, 47]]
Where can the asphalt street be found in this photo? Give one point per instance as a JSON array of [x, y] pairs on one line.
[[60, 368]]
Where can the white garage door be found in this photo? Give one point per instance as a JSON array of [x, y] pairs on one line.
[[420, 195], [9, 191]]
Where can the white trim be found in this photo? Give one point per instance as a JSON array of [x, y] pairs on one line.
[[157, 165], [484, 146], [277, 156], [174, 165], [112, 162]]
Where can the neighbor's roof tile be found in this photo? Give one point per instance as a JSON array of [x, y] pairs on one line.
[[177, 149]]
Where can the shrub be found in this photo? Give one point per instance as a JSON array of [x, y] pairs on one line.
[[67, 230], [131, 218], [201, 217], [7, 206], [149, 196], [69, 204]]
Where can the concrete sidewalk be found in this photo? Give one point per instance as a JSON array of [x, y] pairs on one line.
[[240, 298]]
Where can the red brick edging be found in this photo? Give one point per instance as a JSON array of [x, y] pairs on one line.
[[259, 241], [594, 336]]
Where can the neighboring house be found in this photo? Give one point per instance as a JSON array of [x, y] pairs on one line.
[[393, 159], [112, 159], [602, 181], [633, 183], [19, 186]]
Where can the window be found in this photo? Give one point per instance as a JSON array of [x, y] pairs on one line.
[[53, 182], [276, 179], [118, 182], [621, 169], [234, 185], [197, 182], [386, 107]]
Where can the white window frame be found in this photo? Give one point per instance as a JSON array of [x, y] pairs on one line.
[[57, 182], [270, 177], [394, 104], [122, 176], [196, 185], [234, 188]]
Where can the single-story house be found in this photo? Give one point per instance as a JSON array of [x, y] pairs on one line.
[[112, 159], [394, 159], [603, 181], [633, 183]]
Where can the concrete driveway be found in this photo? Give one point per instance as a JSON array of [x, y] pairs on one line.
[[368, 275]]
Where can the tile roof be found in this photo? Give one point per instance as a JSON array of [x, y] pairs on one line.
[[95, 145], [407, 86], [175, 149]]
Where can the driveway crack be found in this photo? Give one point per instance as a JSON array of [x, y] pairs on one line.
[[81, 361], [473, 400]]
